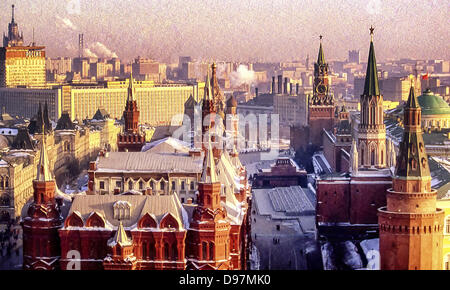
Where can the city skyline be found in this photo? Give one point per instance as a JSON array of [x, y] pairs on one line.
[[242, 31]]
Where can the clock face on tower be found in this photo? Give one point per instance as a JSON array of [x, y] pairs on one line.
[[321, 89]]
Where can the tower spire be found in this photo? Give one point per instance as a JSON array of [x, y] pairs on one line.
[[371, 87], [130, 96], [412, 160], [12, 18], [209, 167], [321, 57], [43, 172], [208, 93]]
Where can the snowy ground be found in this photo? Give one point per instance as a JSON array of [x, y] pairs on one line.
[[347, 255]]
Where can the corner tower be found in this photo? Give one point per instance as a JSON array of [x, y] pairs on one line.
[[411, 227], [371, 129]]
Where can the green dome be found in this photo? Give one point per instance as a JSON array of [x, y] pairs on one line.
[[432, 104]]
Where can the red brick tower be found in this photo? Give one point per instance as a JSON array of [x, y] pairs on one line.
[[121, 256], [321, 104], [130, 139], [371, 129], [209, 235], [41, 248], [411, 227]]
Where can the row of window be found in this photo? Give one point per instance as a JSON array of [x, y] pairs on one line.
[[141, 185]]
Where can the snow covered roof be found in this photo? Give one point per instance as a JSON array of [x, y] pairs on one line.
[[156, 205], [149, 162], [166, 145], [120, 237]]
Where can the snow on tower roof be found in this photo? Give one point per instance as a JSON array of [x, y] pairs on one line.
[[209, 167], [120, 237], [43, 171]]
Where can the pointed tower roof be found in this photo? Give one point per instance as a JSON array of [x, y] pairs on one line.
[[120, 237], [208, 92], [43, 171], [130, 96], [371, 87], [412, 161], [209, 166], [12, 13], [321, 56], [412, 99]]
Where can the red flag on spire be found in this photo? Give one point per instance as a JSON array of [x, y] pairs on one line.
[[425, 76]]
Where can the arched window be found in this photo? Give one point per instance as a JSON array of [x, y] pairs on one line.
[[362, 156], [204, 250], [130, 185], [152, 251], [5, 200], [372, 157], [174, 251], [144, 251], [141, 185], [211, 251], [166, 252]]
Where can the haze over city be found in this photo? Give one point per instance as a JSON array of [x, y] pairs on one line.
[[268, 30]]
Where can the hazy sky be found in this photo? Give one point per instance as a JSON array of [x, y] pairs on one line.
[[269, 30]]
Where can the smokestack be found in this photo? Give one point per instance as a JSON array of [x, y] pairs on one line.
[[290, 89], [273, 85], [297, 88], [280, 82], [285, 86], [256, 92]]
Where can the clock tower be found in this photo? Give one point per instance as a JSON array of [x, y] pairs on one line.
[[321, 103]]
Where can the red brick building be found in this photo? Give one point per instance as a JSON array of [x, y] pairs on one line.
[[149, 229], [285, 172], [410, 225], [41, 246], [131, 139]]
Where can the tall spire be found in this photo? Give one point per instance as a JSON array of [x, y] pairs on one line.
[[208, 93], [371, 87], [412, 159], [43, 172], [321, 57], [209, 167], [12, 18], [130, 96], [412, 99]]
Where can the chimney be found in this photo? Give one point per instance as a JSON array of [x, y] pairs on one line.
[[92, 165], [189, 200], [280, 82], [148, 191], [297, 88], [256, 92], [273, 85], [285, 86]]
